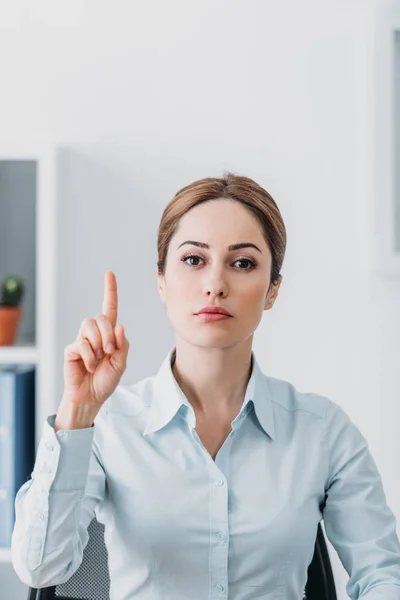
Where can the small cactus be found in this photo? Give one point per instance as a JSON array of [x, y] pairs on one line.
[[12, 291]]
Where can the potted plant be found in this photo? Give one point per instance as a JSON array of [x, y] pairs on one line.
[[12, 290]]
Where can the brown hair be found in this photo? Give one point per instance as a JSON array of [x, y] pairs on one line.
[[234, 187]]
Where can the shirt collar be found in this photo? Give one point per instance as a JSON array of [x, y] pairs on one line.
[[168, 398]]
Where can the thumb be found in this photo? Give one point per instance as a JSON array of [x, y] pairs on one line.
[[118, 358], [120, 338]]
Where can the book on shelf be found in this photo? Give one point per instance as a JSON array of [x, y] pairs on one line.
[[17, 439]]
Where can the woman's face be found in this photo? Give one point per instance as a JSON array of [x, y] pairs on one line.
[[236, 280]]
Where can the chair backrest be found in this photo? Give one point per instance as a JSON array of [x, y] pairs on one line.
[[320, 582], [91, 580]]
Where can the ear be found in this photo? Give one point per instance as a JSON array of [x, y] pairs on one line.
[[272, 295], [160, 285]]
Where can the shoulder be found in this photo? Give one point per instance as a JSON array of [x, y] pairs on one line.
[[286, 396], [337, 423], [126, 410], [130, 400]]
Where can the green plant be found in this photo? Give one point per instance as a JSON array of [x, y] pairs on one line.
[[12, 290]]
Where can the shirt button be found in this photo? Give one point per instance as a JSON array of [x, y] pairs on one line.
[[219, 482], [220, 588], [49, 445], [41, 516], [221, 535]]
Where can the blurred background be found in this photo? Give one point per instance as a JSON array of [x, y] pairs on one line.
[[139, 99]]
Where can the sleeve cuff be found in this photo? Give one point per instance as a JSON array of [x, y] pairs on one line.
[[63, 457], [385, 591]]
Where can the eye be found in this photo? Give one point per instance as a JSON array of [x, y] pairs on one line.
[[242, 260], [247, 260], [185, 258]]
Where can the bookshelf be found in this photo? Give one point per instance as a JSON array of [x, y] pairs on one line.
[[386, 92], [28, 249]]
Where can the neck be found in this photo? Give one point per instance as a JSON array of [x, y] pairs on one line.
[[214, 380]]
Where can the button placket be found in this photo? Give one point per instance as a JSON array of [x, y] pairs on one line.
[[219, 526]]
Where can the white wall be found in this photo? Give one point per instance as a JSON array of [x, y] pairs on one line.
[[144, 97]]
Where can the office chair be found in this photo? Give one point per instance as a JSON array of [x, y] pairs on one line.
[[320, 584], [91, 580]]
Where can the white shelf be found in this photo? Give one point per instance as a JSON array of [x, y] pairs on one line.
[[37, 349], [21, 353]]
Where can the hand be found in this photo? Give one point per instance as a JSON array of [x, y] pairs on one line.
[[96, 361]]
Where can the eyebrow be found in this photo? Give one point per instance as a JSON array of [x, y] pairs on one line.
[[230, 248]]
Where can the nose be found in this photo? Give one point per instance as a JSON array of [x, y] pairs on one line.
[[215, 290], [214, 283], [212, 293]]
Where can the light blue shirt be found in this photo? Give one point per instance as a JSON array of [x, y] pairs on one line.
[[181, 526]]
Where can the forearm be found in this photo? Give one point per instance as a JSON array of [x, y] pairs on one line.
[[45, 535]]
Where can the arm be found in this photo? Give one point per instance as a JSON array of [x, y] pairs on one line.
[[358, 522], [54, 508]]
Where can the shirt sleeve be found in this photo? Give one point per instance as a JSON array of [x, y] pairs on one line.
[[53, 509], [357, 519]]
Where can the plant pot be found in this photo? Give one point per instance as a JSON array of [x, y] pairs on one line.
[[10, 317]]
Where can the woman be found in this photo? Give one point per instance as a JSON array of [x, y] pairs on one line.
[[210, 477]]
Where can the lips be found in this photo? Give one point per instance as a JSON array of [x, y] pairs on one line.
[[212, 317], [216, 310]]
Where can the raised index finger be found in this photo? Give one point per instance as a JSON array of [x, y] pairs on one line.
[[110, 302]]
